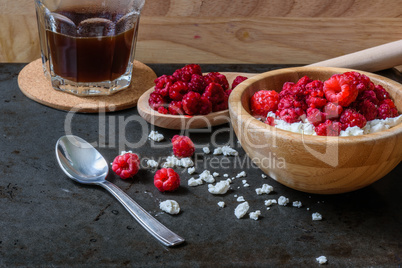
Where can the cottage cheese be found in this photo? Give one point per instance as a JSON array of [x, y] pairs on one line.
[[215, 174], [269, 202], [240, 199], [316, 216], [241, 175], [241, 210], [322, 260], [191, 170], [283, 201], [263, 176], [206, 150], [155, 136], [152, 163], [195, 182], [172, 161], [221, 204], [226, 151], [255, 215], [297, 204], [219, 188], [170, 206], [265, 189], [207, 177]]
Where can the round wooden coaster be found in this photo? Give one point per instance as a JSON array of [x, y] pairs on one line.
[[36, 86]]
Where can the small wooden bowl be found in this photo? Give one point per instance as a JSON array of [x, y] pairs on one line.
[[314, 164], [184, 121]]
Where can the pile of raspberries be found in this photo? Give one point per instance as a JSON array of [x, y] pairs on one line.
[[188, 92], [344, 100]]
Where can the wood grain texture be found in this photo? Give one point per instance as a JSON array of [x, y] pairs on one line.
[[238, 31], [314, 164], [185, 121]]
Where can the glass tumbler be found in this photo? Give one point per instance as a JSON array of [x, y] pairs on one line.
[[88, 46]]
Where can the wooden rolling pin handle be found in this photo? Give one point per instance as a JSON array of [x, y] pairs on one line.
[[371, 60]]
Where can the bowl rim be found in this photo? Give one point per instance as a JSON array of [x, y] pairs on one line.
[[239, 112]]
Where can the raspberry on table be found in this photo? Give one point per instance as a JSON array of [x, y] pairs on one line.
[[341, 89], [182, 146], [126, 165], [166, 179], [264, 101], [328, 128], [351, 118], [192, 103], [155, 101], [238, 80]]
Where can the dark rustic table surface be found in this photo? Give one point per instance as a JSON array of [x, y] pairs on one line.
[[47, 220]]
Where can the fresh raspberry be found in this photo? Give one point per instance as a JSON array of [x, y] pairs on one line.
[[155, 101], [163, 110], [351, 118], [166, 179], [228, 92], [126, 165], [381, 93], [214, 93], [224, 105], [176, 108], [328, 128], [291, 101], [315, 116], [332, 111], [206, 106], [367, 95], [386, 111], [341, 89], [182, 146], [270, 121], [197, 83], [162, 85], [264, 101], [299, 88], [362, 81], [184, 74], [286, 89], [192, 103], [315, 94], [290, 115], [215, 77], [178, 90], [389, 102], [238, 80], [368, 109]]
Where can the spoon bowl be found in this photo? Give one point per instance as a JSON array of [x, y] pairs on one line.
[[84, 164]]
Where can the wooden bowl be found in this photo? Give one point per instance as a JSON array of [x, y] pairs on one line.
[[184, 121], [314, 164]]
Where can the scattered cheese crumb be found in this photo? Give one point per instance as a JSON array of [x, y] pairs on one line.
[[221, 204], [226, 151], [226, 175], [265, 189], [152, 163], [322, 260], [316, 216], [206, 150], [191, 170], [207, 177], [254, 215], [297, 204], [170, 206], [246, 185], [269, 202], [263, 176], [155, 136], [240, 199], [241, 210], [172, 161], [194, 182], [219, 188], [283, 201], [215, 174], [241, 175]]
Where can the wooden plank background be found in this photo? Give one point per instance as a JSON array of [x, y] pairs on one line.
[[232, 31]]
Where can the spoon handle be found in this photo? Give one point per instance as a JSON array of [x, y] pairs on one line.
[[154, 227]]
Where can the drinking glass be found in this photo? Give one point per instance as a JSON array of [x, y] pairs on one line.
[[88, 46]]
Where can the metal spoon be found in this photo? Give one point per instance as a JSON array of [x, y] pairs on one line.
[[84, 164]]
